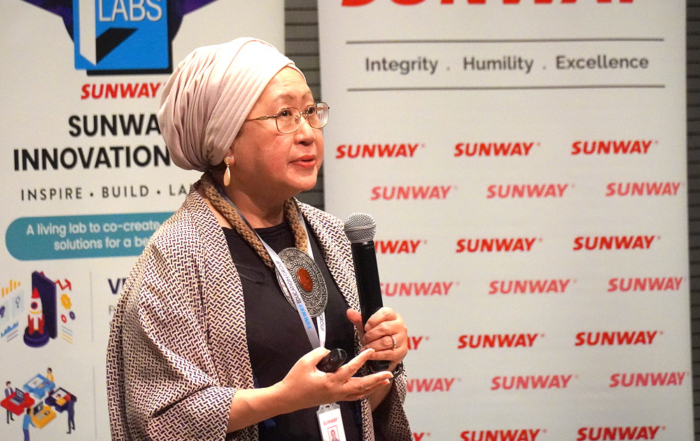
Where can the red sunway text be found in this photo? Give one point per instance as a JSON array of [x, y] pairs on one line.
[[495, 245], [493, 149], [501, 435], [521, 382], [411, 192], [617, 433], [539, 286], [626, 147], [430, 384], [416, 289], [645, 284], [518, 191], [497, 341], [616, 338], [613, 242], [647, 379], [642, 189], [415, 341], [396, 246], [124, 90], [352, 151]]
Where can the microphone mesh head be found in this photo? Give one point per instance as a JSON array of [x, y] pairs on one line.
[[360, 228]]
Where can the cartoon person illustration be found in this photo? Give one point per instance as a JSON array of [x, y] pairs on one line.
[[70, 408], [26, 423], [49, 376], [9, 391]]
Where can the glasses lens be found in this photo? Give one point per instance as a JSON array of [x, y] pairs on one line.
[[317, 115], [287, 120]]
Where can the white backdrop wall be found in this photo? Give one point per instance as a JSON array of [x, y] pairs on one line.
[[86, 178], [532, 216]]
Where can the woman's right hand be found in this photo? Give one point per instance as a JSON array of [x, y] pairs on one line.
[[305, 386]]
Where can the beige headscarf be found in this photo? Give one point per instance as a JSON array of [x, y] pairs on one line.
[[210, 94]]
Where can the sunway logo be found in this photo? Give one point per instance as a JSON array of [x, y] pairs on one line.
[[647, 379], [617, 433], [642, 189], [115, 91], [419, 436], [613, 242], [622, 147], [352, 151], [523, 382], [416, 289], [501, 435], [414, 342], [471, 149], [472, 2], [616, 338], [411, 192], [625, 284], [505, 245], [537, 286], [118, 37], [519, 191], [397, 246], [430, 384], [497, 341]]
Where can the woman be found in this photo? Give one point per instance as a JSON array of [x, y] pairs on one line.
[[204, 343]]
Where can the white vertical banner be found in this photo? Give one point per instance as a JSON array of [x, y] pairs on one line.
[[525, 161], [86, 180]]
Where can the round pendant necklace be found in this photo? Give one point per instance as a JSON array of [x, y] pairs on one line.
[[307, 278], [305, 273]]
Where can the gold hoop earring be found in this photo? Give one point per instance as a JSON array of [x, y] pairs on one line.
[[227, 175]]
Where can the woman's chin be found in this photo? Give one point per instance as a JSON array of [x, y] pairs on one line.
[[305, 184]]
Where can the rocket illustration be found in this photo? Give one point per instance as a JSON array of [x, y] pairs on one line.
[[36, 314]]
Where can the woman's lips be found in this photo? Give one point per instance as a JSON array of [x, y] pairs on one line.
[[306, 161]]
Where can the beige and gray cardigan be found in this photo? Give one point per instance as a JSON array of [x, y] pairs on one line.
[[177, 348]]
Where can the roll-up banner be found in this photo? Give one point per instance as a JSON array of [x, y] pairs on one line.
[[525, 161], [86, 181]]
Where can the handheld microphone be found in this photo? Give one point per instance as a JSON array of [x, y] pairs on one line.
[[360, 229]]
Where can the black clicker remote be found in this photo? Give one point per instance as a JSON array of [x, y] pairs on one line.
[[332, 361]]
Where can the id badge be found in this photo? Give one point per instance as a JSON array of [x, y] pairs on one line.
[[331, 422]]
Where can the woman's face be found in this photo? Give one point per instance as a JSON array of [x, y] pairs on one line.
[[270, 165]]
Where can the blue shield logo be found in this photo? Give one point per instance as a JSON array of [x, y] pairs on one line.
[[119, 35], [122, 37]]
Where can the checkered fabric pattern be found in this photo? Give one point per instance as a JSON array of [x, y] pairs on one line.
[[177, 350]]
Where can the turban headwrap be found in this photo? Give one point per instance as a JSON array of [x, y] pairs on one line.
[[210, 94]]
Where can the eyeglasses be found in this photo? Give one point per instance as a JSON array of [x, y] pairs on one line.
[[289, 118]]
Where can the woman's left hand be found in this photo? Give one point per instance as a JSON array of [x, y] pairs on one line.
[[385, 332]]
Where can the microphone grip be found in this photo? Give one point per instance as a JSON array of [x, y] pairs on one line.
[[368, 288]]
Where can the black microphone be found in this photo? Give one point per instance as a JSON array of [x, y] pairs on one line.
[[360, 229]]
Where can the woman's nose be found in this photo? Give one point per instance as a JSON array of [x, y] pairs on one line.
[[305, 132]]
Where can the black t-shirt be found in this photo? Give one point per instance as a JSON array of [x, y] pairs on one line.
[[277, 338]]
